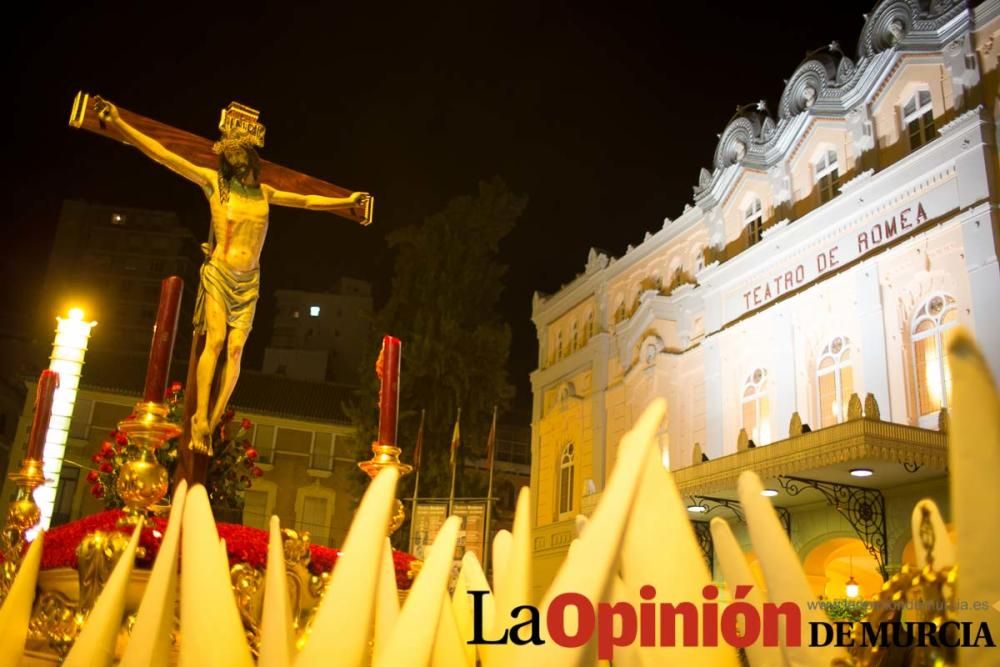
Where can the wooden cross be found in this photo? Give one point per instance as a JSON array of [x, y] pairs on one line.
[[198, 150], [192, 465]]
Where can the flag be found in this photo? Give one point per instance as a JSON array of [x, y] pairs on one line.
[[491, 441], [419, 447], [455, 439], [491, 449]]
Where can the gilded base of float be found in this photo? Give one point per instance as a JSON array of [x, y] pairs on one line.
[[65, 596]]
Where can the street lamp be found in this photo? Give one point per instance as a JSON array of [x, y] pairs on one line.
[[68, 351]]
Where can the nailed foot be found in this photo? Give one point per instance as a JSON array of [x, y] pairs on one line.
[[201, 436]]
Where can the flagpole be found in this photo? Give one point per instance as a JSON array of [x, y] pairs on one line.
[[454, 463], [417, 452], [491, 444]]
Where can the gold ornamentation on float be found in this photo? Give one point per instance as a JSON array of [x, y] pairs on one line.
[[55, 621], [22, 515], [305, 589], [387, 456], [143, 482], [96, 557]]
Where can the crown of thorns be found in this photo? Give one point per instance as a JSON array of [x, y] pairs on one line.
[[239, 140], [240, 128]]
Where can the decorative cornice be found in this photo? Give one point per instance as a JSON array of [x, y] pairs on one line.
[[860, 439], [970, 117], [828, 84]]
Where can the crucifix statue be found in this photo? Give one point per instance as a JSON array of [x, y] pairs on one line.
[[240, 188]]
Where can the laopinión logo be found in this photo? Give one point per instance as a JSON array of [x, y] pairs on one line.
[[739, 624]]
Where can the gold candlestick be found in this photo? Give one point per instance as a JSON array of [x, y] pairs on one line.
[[387, 456], [22, 515], [142, 481]]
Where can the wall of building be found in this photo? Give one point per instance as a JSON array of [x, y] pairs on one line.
[[337, 323], [110, 261], [704, 304], [301, 459]]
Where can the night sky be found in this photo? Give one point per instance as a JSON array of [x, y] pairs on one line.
[[601, 113]]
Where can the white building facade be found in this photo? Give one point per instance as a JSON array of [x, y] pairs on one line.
[[833, 249]]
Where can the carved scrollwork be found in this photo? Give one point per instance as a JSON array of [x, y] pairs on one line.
[[96, 557], [248, 588], [863, 508], [704, 534], [734, 143], [805, 86], [887, 26], [704, 180], [55, 621], [305, 590]]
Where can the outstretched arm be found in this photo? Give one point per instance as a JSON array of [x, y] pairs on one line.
[[108, 113], [317, 202]]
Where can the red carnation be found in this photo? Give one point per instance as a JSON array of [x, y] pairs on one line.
[[97, 491], [105, 447], [251, 454], [96, 458], [92, 476], [246, 424], [257, 472], [107, 467], [121, 439]]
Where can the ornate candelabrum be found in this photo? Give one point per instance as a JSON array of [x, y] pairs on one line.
[[143, 481], [22, 515], [385, 453], [387, 456]]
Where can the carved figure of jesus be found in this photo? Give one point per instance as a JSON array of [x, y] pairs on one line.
[[230, 276]]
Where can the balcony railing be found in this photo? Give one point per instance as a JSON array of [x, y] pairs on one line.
[[855, 440]]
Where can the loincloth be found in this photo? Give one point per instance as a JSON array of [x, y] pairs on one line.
[[236, 291]]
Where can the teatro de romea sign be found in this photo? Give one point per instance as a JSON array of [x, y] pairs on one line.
[[867, 235]]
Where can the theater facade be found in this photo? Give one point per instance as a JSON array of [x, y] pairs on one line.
[[796, 314]]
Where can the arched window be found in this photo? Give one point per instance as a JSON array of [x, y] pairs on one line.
[[559, 346], [932, 329], [566, 471], [756, 407], [590, 326], [827, 175], [574, 339], [753, 220], [835, 378], [918, 119]]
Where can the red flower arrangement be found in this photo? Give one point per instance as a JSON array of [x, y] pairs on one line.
[[243, 543], [230, 472]]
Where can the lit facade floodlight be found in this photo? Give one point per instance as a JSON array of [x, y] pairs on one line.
[[68, 351]]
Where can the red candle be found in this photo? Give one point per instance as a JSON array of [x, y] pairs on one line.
[[47, 383], [164, 335], [387, 369]]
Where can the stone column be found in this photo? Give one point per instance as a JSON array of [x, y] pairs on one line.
[[980, 246], [714, 445], [599, 352], [871, 321], [782, 384]]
